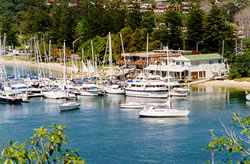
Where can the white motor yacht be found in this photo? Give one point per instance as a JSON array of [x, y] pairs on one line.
[[153, 86], [69, 106], [10, 98]]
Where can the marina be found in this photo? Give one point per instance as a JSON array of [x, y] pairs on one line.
[[104, 133], [124, 82]]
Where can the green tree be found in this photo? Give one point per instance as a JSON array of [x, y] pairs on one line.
[[216, 29], [6, 27], [240, 63], [194, 25], [138, 40], [133, 16], [148, 21], [99, 46], [234, 141], [126, 37], [99, 20], [34, 20], [172, 32], [63, 24], [43, 147]]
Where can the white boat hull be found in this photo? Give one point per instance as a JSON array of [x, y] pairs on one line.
[[162, 112], [248, 97], [89, 93], [115, 91], [66, 108], [57, 95], [147, 94]]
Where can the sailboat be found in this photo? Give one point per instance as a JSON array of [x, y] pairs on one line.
[[164, 110], [68, 105], [113, 88]]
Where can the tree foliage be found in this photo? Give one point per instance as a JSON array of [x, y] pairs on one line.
[[215, 30], [45, 146], [172, 29], [240, 63], [194, 24], [234, 141]]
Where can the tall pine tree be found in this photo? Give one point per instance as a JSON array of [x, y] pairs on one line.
[[194, 25], [216, 29], [173, 30]]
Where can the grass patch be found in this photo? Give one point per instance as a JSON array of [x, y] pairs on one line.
[[242, 79]]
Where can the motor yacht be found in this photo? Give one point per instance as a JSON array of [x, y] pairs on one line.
[[152, 86], [10, 98]]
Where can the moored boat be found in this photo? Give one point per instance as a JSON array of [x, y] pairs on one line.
[[69, 106], [9, 98], [163, 112], [247, 96]]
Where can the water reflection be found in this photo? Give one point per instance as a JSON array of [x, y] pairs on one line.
[[248, 103], [165, 121], [144, 100]]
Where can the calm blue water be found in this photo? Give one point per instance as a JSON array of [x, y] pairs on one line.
[[104, 133]]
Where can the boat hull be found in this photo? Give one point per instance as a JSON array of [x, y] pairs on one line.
[[89, 93], [163, 113], [67, 108], [10, 101], [147, 94]]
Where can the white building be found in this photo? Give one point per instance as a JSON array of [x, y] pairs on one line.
[[190, 67]]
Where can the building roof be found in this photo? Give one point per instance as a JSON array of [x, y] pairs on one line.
[[203, 57]]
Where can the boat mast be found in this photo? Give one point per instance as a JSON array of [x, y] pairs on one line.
[[110, 57], [93, 59], [169, 90], [65, 67], [123, 49], [147, 49], [49, 56]]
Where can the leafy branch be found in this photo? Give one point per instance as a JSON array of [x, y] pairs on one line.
[[41, 148], [233, 141]]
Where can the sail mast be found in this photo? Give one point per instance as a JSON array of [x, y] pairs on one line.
[[110, 57], [65, 67]]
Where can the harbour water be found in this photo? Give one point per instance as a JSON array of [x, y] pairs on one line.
[[104, 133]]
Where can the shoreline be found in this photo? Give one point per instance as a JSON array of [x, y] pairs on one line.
[[214, 83], [57, 67], [244, 85]]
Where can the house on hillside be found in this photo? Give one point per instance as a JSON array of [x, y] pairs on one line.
[[190, 67]]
